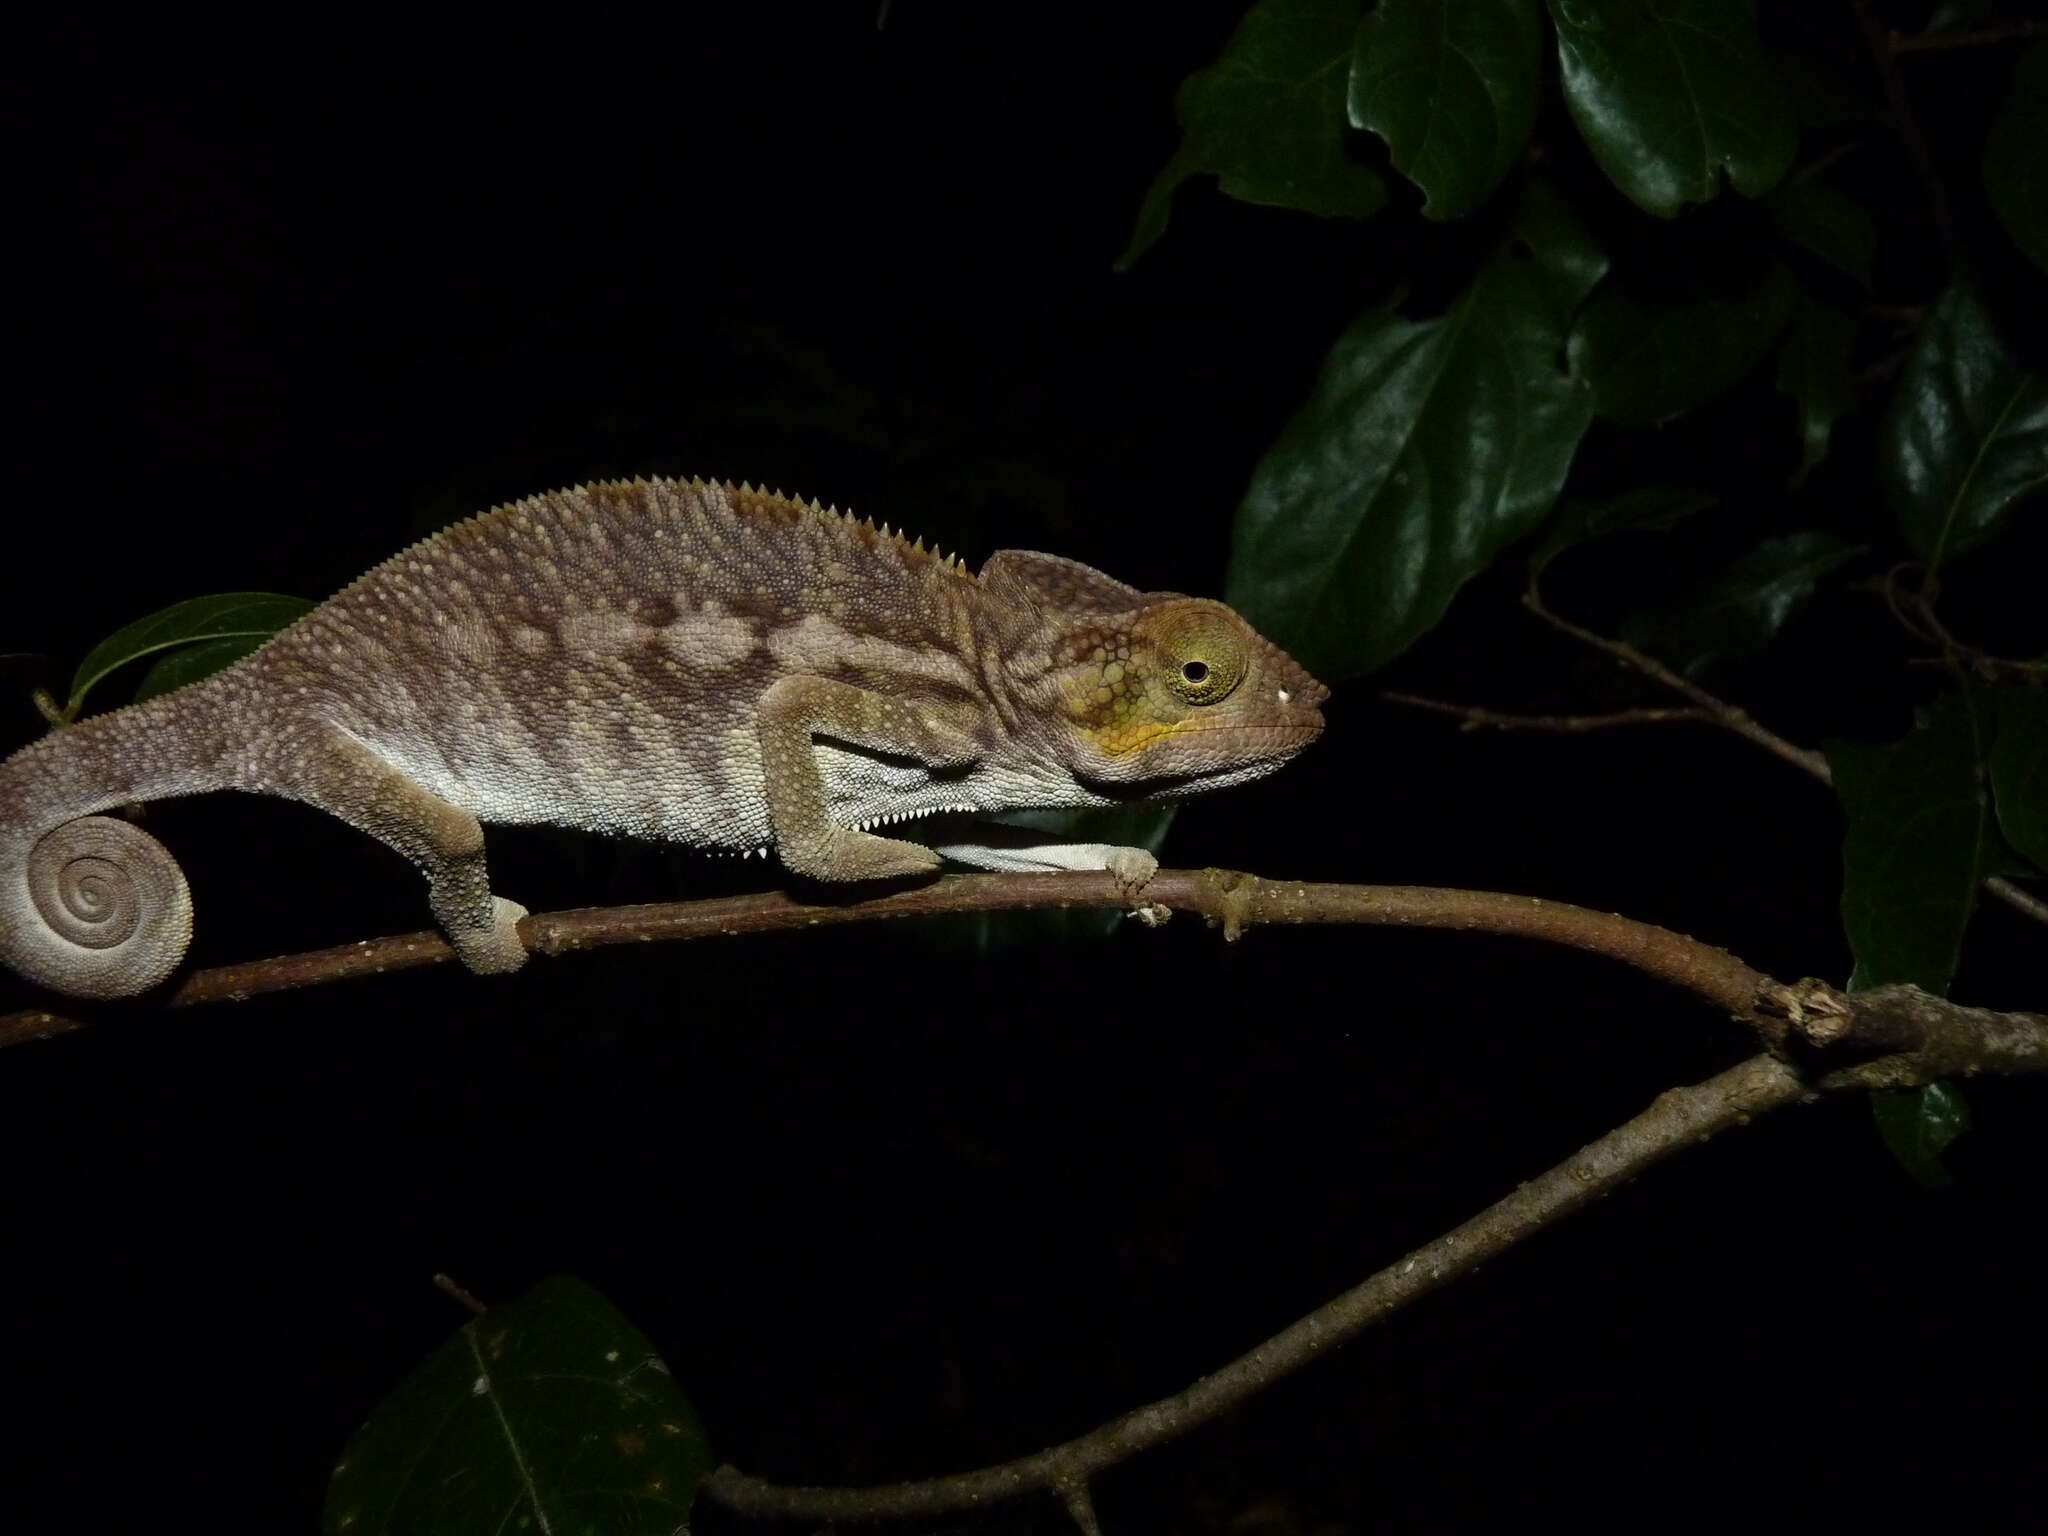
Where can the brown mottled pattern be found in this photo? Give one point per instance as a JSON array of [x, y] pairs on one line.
[[593, 657]]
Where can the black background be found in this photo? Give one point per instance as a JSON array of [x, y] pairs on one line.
[[901, 1201]]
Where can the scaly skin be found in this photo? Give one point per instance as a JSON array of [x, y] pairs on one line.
[[707, 664]]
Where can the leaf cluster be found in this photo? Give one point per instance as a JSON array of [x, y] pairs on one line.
[[1671, 309]]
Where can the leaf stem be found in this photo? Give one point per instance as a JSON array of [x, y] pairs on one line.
[[1883, 44]]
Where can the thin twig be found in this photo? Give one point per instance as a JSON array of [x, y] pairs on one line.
[[1745, 725], [1883, 44], [35, 1024], [1237, 901], [1475, 718], [1913, 609], [1723, 713], [447, 1286], [1983, 37], [1821, 164], [2019, 900]]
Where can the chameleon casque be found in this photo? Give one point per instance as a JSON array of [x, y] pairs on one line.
[[686, 660]]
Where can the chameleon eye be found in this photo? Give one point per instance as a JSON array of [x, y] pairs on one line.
[[1203, 655]]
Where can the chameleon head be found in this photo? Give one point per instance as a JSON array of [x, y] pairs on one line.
[[1180, 696]]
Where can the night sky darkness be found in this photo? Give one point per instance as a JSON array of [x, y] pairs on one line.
[[904, 1200]]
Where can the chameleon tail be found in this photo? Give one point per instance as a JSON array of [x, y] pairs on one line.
[[93, 905]]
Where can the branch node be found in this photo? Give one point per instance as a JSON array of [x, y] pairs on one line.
[[1236, 901], [1808, 1012]]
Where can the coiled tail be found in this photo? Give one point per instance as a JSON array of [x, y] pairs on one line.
[[92, 905]]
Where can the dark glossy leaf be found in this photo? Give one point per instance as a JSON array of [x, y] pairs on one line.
[[1267, 120], [2016, 157], [2019, 771], [2008, 863], [1559, 255], [1965, 439], [1733, 614], [1918, 1125], [1647, 362], [1670, 94], [550, 1413], [1953, 18], [1426, 448], [1918, 838], [1829, 223], [1814, 368], [247, 615], [1647, 509], [184, 664], [1451, 86]]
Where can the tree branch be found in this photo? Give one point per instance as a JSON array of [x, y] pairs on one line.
[[1819, 1038], [1675, 1119], [1894, 1036], [1928, 1038], [1237, 901]]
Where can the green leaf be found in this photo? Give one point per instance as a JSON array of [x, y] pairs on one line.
[[1648, 362], [1830, 224], [1647, 509], [1918, 837], [1736, 612], [1814, 368], [1918, 1125], [547, 1414], [188, 663], [1267, 120], [1669, 94], [1451, 85], [247, 615], [1954, 18], [2019, 771], [2016, 157], [1965, 438], [1426, 447]]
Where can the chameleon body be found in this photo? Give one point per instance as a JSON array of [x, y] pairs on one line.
[[692, 661]]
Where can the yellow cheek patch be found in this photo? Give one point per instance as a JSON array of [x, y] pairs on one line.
[[1108, 704], [1115, 716], [1136, 736]]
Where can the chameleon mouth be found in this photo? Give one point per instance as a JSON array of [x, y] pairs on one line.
[[891, 818], [1181, 786]]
